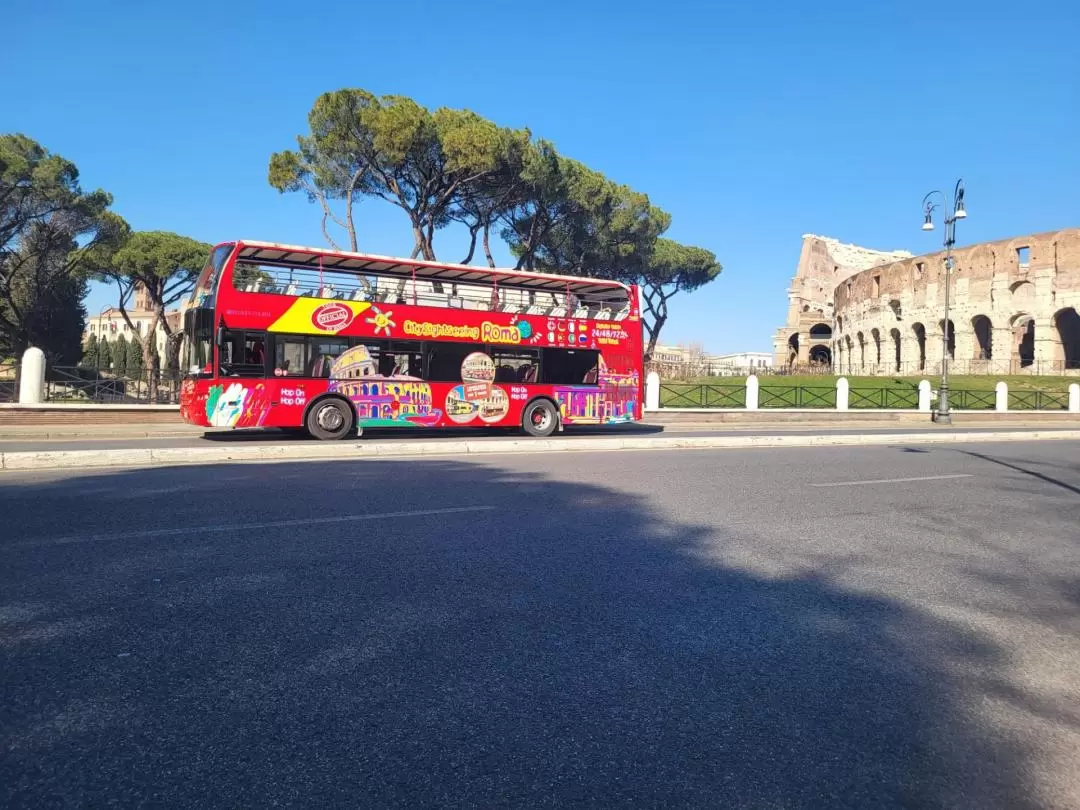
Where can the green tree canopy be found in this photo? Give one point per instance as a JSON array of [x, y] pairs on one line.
[[392, 148], [49, 229], [672, 268], [165, 265], [554, 213]]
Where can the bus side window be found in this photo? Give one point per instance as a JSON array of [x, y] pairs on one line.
[[290, 357]]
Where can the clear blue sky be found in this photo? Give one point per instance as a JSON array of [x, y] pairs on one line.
[[751, 123]]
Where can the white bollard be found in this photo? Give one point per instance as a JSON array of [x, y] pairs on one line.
[[652, 391], [1001, 396], [842, 390], [32, 377], [752, 386], [924, 396], [1074, 398]]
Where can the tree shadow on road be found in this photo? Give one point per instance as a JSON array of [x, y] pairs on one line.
[[563, 645]]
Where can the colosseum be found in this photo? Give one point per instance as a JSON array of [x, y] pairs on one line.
[[1013, 308]]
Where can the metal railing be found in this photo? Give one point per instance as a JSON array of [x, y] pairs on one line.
[[796, 396], [74, 384], [964, 399], [884, 398], [9, 382], [702, 395], [931, 368], [1038, 401]]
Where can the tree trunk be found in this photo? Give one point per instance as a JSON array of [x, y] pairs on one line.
[[151, 361], [654, 334], [487, 245], [473, 230], [429, 243], [418, 240]]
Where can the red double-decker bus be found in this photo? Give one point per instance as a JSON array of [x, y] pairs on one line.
[[333, 342]]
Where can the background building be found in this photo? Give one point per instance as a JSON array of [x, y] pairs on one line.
[[686, 362], [806, 338], [109, 324]]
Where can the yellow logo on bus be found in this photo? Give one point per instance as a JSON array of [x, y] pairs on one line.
[[496, 333], [301, 318]]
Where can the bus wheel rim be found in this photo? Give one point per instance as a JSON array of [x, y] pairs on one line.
[[329, 418], [540, 418]]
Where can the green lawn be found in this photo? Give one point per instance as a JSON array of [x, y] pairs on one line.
[[819, 391]]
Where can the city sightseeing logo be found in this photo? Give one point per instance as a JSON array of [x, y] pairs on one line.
[[332, 317]]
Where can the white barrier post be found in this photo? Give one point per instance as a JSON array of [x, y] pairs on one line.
[[924, 396], [652, 391], [842, 389], [1001, 396], [32, 377], [752, 386], [1074, 398]]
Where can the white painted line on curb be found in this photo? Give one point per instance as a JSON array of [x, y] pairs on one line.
[[892, 480], [269, 524]]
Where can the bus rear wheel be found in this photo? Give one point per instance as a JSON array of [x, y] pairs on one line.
[[540, 418], [329, 419]]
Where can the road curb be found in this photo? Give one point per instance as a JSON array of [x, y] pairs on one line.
[[355, 451]]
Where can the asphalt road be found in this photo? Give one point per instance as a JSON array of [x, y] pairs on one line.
[[275, 437], [864, 628]]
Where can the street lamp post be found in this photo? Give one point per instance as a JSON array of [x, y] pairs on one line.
[[953, 209]]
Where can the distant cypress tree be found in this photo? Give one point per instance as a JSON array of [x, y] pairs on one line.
[[104, 355], [134, 358], [90, 353], [120, 356]]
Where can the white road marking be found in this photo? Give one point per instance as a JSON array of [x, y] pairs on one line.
[[269, 524], [892, 480]]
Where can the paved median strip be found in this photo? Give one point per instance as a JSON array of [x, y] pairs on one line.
[[360, 450]]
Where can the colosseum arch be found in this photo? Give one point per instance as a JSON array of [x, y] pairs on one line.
[[894, 333], [983, 329], [920, 339], [1022, 296], [875, 334], [820, 355], [793, 349], [820, 333], [950, 334], [1067, 324], [1023, 330], [849, 352], [862, 350]]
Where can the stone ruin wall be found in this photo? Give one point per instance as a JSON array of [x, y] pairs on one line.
[[1008, 315], [823, 264]]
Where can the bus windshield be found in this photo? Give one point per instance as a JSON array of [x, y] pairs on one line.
[[203, 294]]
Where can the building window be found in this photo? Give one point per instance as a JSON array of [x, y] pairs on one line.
[[877, 286], [1023, 255], [919, 268]]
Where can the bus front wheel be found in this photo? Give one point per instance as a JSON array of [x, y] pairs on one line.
[[540, 418], [329, 419]]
